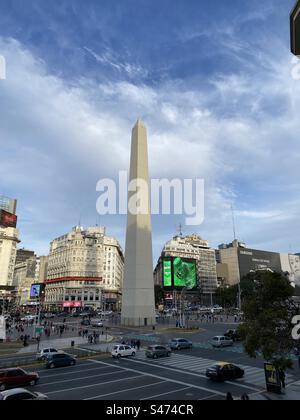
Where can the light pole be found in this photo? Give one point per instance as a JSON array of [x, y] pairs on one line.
[[295, 29]]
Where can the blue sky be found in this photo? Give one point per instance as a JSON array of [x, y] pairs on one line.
[[213, 82]]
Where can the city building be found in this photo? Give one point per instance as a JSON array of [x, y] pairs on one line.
[[24, 277], [192, 248], [235, 260], [295, 29], [23, 255], [9, 238], [85, 269]]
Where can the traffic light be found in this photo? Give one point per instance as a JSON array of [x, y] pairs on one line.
[[295, 29]]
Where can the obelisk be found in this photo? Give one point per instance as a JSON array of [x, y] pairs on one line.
[[138, 304]]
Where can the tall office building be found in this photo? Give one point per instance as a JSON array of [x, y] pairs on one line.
[[192, 247]]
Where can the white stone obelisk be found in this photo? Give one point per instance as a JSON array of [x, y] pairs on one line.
[[138, 304]]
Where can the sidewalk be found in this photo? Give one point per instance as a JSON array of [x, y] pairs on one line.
[[291, 393], [64, 343]]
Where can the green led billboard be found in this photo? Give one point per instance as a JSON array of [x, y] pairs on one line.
[[179, 273], [167, 273]]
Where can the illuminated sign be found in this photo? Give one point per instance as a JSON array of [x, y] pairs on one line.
[[73, 304], [179, 273], [8, 219], [295, 29], [37, 290]]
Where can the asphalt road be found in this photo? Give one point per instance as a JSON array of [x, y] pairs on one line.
[[181, 377]]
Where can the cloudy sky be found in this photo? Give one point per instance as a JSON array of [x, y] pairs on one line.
[[214, 82]]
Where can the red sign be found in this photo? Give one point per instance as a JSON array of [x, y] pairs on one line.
[[8, 219], [73, 304], [168, 296]]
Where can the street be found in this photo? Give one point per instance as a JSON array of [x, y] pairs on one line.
[[181, 377]]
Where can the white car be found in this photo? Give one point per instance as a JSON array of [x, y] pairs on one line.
[[122, 350], [29, 318], [97, 323], [221, 341], [20, 394], [43, 354]]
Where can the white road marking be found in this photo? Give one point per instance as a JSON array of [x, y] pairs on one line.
[[72, 373], [163, 378], [165, 393], [124, 390], [237, 384], [82, 378], [94, 385]]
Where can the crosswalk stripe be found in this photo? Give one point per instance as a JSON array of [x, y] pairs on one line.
[[253, 375]]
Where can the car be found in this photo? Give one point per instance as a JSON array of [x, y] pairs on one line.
[[97, 323], [21, 394], [49, 316], [85, 323], [180, 343], [221, 341], [224, 372], [29, 318], [10, 378], [44, 353], [60, 360], [156, 351], [122, 350], [233, 335]]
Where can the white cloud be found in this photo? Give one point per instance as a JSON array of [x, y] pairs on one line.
[[57, 141]]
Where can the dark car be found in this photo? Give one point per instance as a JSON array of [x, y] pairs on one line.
[[85, 323], [224, 372], [11, 378], [154, 352], [180, 343], [60, 360], [233, 335]]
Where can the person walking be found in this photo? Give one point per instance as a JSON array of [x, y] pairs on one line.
[[282, 378], [245, 397], [229, 397]]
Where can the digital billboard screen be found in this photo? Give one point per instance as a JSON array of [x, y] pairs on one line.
[[179, 273], [37, 290], [8, 219]]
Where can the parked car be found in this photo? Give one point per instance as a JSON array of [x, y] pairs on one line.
[[180, 343], [121, 350], [156, 351], [233, 335], [48, 316], [21, 394], [224, 372], [29, 318], [10, 378], [60, 360], [43, 354], [221, 341]]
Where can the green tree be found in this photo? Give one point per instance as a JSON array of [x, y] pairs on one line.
[[268, 312], [227, 296]]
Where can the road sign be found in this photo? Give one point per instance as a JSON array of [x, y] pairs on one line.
[[272, 378], [295, 29]]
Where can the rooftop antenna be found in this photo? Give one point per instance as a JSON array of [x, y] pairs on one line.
[[179, 230], [233, 222]]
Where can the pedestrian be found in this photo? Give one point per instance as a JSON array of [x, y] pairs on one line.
[[229, 397], [282, 377], [245, 397], [138, 345]]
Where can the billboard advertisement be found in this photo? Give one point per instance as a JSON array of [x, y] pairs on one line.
[[8, 219], [2, 328], [37, 290], [179, 273], [73, 304], [253, 260]]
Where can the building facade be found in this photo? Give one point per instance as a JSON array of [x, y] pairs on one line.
[[9, 238], [85, 269], [194, 248], [235, 261]]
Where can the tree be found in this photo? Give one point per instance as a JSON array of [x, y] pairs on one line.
[[268, 311], [227, 296]]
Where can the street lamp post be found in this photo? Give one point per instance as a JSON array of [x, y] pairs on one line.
[[295, 29]]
